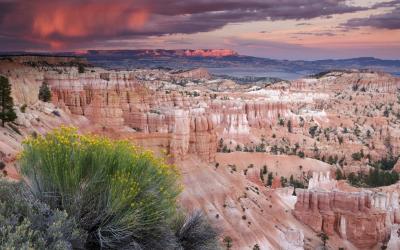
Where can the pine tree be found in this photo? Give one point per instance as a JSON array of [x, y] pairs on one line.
[[81, 69], [289, 126], [44, 93], [7, 113]]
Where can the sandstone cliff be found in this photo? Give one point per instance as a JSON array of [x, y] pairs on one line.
[[365, 218]]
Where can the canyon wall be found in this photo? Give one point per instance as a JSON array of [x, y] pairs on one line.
[[356, 81], [364, 218], [187, 124]]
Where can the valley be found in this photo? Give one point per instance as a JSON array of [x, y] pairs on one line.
[[271, 163]]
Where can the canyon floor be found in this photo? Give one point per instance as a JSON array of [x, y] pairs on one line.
[[261, 159]]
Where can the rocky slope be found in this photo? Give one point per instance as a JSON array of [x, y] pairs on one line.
[[231, 142]]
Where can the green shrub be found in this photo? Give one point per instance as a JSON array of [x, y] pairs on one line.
[[195, 233], [260, 148], [228, 242], [23, 108], [375, 178], [339, 174], [312, 130], [357, 156], [120, 195], [26, 223], [301, 154], [295, 183], [386, 163], [264, 170]]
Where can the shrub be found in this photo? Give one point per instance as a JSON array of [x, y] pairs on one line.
[[228, 242], [120, 195], [261, 176], [260, 148], [56, 113], [195, 233], [357, 156], [324, 238], [295, 183], [264, 170], [2, 165], [23, 108], [225, 149], [301, 154], [26, 223], [312, 130], [375, 178], [386, 163], [281, 122], [339, 174]]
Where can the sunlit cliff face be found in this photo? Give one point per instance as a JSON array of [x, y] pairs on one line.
[[275, 28]]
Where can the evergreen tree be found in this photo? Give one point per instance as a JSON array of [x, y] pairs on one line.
[[81, 69], [339, 175], [44, 93], [7, 113], [289, 126], [324, 238], [270, 179]]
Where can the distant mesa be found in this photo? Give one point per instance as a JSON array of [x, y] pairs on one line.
[[164, 52], [211, 52]]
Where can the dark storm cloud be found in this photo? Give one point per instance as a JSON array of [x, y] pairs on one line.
[[62, 24], [389, 20]]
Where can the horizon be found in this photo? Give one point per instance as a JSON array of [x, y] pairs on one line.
[[83, 53], [284, 30]]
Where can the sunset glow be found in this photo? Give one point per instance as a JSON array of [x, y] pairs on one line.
[[325, 28]]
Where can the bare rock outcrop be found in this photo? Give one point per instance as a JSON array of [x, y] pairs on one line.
[[187, 124], [364, 218], [350, 215]]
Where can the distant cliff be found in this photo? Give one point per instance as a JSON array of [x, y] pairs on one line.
[[224, 62]]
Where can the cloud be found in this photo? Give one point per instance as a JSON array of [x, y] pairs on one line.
[[318, 33], [65, 24], [389, 20], [303, 24]]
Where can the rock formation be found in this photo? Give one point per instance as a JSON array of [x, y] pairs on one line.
[[364, 218], [191, 124], [187, 113], [322, 181]]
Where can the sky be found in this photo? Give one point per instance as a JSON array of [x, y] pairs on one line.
[[281, 29]]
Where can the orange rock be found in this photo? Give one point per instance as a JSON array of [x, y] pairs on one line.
[[351, 215], [276, 183]]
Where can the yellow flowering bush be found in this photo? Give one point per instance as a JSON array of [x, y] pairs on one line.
[[117, 192]]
